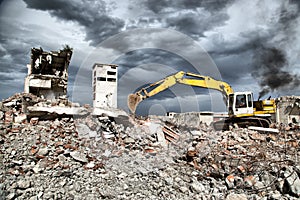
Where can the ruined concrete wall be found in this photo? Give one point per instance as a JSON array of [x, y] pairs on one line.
[[287, 109], [193, 119], [105, 82], [48, 73]]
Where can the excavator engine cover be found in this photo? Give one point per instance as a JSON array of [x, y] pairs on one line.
[[133, 101]]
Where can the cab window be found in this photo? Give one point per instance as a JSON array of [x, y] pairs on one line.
[[249, 100], [240, 101]]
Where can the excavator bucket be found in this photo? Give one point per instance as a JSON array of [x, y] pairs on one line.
[[133, 101]]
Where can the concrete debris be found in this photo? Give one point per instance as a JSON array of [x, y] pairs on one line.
[[56, 111], [192, 119], [23, 184], [114, 156], [23, 106], [129, 140], [292, 182], [233, 196], [161, 137], [79, 156], [1, 115], [170, 134], [273, 130], [34, 121], [43, 151]]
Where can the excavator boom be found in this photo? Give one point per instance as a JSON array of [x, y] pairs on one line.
[[180, 77]]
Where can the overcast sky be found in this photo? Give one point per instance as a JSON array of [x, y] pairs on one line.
[[252, 45]]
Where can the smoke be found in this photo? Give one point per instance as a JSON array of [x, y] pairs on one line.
[[270, 66]]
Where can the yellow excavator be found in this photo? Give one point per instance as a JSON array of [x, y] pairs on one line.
[[242, 110]]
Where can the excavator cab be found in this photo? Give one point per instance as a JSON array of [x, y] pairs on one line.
[[240, 104]]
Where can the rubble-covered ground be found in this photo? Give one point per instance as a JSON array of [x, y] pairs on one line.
[[99, 158]]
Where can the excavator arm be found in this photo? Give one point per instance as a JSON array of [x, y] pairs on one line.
[[180, 77]]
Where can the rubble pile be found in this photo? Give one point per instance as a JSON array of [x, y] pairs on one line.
[[191, 119], [94, 157], [248, 161]]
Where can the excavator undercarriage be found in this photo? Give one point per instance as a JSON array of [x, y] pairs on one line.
[[242, 122]]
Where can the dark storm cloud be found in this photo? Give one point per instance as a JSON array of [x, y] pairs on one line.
[[15, 53], [238, 49], [195, 24], [13, 57], [211, 5], [249, 41], [270, 69], [266, 52], [15, 46], [150, 56], [92, 15], [191, 17], [270, 61], [6, 77], [288, 15], [157, 6], [229, 65], [163, 5]]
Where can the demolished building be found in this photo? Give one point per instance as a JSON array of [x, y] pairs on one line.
[[105, 81], [288, 109], [48, 73], [105, 90], [45, 89]]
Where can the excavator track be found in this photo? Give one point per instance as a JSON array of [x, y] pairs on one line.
[[241, 122]]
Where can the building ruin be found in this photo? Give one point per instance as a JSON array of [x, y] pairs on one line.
[[105, 82], [288, 109], [48, 73]]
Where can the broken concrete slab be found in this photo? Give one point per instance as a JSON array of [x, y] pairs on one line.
[[273, 130], [233, 196], [23, 184], [111, 112], [83, 130], [292, 182], [129, 140], [34, 121], [55, 111], [20, 118], [78, 156], [161, 137], [119, 116], [1, 115], [170, 134]]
